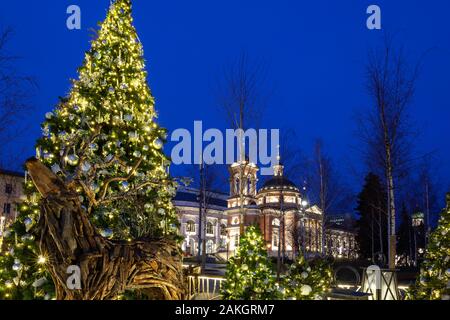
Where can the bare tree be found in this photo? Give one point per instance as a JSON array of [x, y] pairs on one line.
[[325, 186], [15, 93], [242, 94], [208, 179], [385, 129]]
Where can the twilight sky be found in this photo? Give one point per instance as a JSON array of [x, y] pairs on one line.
[[315, 53]]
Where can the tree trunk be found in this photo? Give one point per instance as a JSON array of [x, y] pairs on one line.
[[391, 218], [67, 238]]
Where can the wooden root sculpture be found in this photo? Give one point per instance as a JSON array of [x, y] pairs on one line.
[[67, 237]]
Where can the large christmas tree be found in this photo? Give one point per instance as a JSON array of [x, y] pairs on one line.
[[249, 275], [434, 278], [103, 142]]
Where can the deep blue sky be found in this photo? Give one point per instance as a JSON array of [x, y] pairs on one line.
[[315, 52]]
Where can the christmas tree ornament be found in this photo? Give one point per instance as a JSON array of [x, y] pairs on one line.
[[94, 187], [124, 186], [305, 290], [158, 144], [86, 166], [17, 265], [56, 168], [72, 159], [133, 135], [137, 154], [107, 233], [93, 147], [109, 157]]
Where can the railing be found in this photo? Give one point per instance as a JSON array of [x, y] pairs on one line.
[[204, 287]]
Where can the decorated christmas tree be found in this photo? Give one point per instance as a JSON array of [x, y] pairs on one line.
[[307, 281], [434, 279], [249, 275], [103, 142]]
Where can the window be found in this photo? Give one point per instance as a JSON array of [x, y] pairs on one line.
[[8, 188], [7, 208], [289, 199], [209, 228], [249, 185], [272, 199], [237, 186], [236, 221], [209, 247], [190, 226], [223, 230], [275, 239], [236, 240], [276, 222]]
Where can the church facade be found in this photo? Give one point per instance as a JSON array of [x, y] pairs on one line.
[[289, 224]]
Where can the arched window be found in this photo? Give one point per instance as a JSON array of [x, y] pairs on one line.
[[236, 186], [276, 222], [210, 228], [190, 226], [249, 185], [223, 230], [275, 239]]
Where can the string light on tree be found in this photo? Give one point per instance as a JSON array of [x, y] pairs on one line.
[[434, 279], [249, 275], [103, 140]]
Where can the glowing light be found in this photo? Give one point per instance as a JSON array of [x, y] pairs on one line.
[[42, 260]]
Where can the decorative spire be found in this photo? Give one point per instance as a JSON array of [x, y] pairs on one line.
[[278, 167]]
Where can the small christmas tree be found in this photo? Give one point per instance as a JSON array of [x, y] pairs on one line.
[[307, 281], [249, 274], [434, 279], [103, 142]]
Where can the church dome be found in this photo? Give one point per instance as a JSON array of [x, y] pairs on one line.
[[279, 182]]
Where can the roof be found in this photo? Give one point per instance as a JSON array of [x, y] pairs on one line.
[[279, 182], [12, 173], [191, 195]]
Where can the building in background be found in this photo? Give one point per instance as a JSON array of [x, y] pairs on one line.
[[186, 202], [288, 223], [340, 240], [11, 194]]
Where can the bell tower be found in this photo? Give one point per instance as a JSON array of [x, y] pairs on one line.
[[243, 179]]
